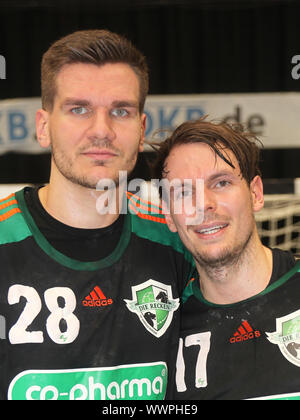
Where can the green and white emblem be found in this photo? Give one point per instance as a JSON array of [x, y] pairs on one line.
[[153, 303], [287, 337]]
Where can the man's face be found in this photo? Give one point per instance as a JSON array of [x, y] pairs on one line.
[[95, 129], [225, 220]]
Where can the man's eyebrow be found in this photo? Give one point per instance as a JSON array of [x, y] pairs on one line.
[[125, 103], [115, 104], [190, 184], [220, 174], [76, 101]]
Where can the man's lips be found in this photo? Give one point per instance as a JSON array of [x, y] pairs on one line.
[[100, 153], [211, 230]]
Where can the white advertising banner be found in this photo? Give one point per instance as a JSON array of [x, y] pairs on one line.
[[274, 117], [17, 125]]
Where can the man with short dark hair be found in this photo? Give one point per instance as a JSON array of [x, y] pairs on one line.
[[240, 320], [89, 292]]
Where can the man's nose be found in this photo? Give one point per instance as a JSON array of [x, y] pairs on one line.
[[209, 200], [101, 126]]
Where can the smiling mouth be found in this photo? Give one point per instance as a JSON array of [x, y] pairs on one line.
[[211, 230]]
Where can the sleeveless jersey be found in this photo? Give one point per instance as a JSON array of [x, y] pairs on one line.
[[102, 330], [246, 350]]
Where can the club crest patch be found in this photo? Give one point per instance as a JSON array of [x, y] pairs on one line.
[[153, 303], [287, 337]]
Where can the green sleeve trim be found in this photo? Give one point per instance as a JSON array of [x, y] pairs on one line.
[[149, 223], [13, 227]]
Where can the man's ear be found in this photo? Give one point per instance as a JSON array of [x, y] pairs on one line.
[[42, 128], [168, 216], [257, 193]]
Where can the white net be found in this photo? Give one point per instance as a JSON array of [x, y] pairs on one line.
[[279, 222]]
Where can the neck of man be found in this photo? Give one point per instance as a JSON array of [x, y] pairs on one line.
[[238, 278], [78, 206]]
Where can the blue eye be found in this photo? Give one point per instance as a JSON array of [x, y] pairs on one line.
[[119, 112], [79, 110]]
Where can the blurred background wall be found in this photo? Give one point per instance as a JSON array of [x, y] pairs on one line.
[[192, 47]]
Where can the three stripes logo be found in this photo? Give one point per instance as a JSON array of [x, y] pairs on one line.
[[96, 298], [244, 332]]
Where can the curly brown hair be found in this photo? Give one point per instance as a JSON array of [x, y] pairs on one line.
[[221, 137]]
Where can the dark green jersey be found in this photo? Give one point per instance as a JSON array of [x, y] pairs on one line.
[[246, 350], [105, 329]]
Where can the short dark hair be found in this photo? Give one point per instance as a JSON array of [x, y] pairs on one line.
[[221, 137], [93, 46]]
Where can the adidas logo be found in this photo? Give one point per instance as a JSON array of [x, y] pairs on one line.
[[96, 298], [244, 332]]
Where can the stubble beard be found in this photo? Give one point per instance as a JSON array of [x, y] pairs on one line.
[[66, 167], [230, 257]]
